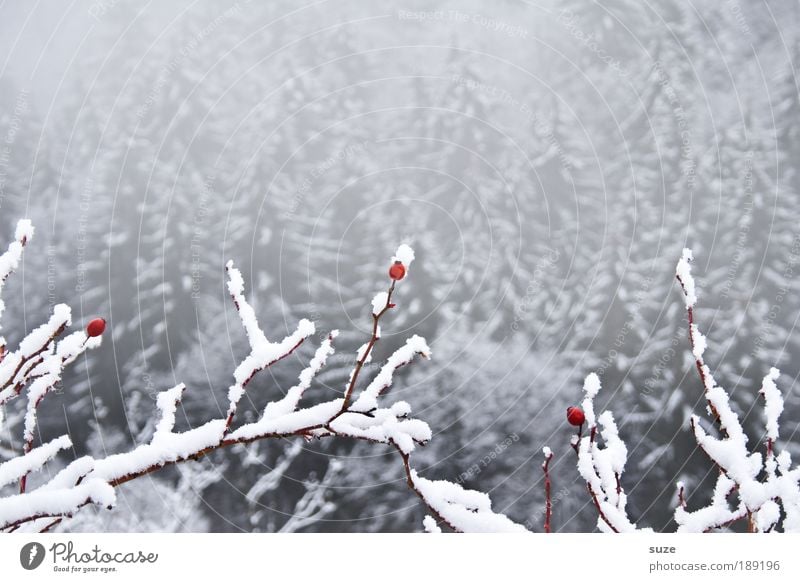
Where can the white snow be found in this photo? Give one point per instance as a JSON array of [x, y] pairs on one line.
[[58, 502], [773, 403], [166, 448], [363, 355], [42, 335], [289, 402], [317, 415], [266, 353], [403, 355], [404, 254], [716, 513], [768, 515], [699, 341], [591, 386], [684, 273], [36, 392], [379, 302], [430, 525], [385, 426], [466, 510], [69, 475], [24, 230], [16, 468], [255, 336], [167, 403]]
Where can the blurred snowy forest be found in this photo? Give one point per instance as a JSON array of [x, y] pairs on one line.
[[547, 161]]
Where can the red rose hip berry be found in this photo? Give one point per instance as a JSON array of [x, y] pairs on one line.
[[96, 327], [575, 416], [397, 271]]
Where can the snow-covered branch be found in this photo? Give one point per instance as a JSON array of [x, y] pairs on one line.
[[263, 353], [602, 468], [761, 485], [39, 362]]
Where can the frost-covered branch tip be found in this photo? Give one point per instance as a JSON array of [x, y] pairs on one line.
[[10, 259]]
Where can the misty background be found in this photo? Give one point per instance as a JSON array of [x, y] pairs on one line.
[[548, 161]]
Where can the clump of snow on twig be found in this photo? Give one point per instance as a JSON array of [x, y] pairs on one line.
[[9, 260], [684, 274], [773, 403], [379, 302], [404, 254]]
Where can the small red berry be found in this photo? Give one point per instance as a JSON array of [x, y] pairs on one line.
[[397, 271], [96, 327], [575, 416]]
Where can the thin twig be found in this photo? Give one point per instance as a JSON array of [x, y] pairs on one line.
[[372, 340]]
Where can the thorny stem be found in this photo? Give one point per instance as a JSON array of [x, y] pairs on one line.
[[413, 487], [348, 395], [600, 509], [548, 507], [51, 525], [592, 435]]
